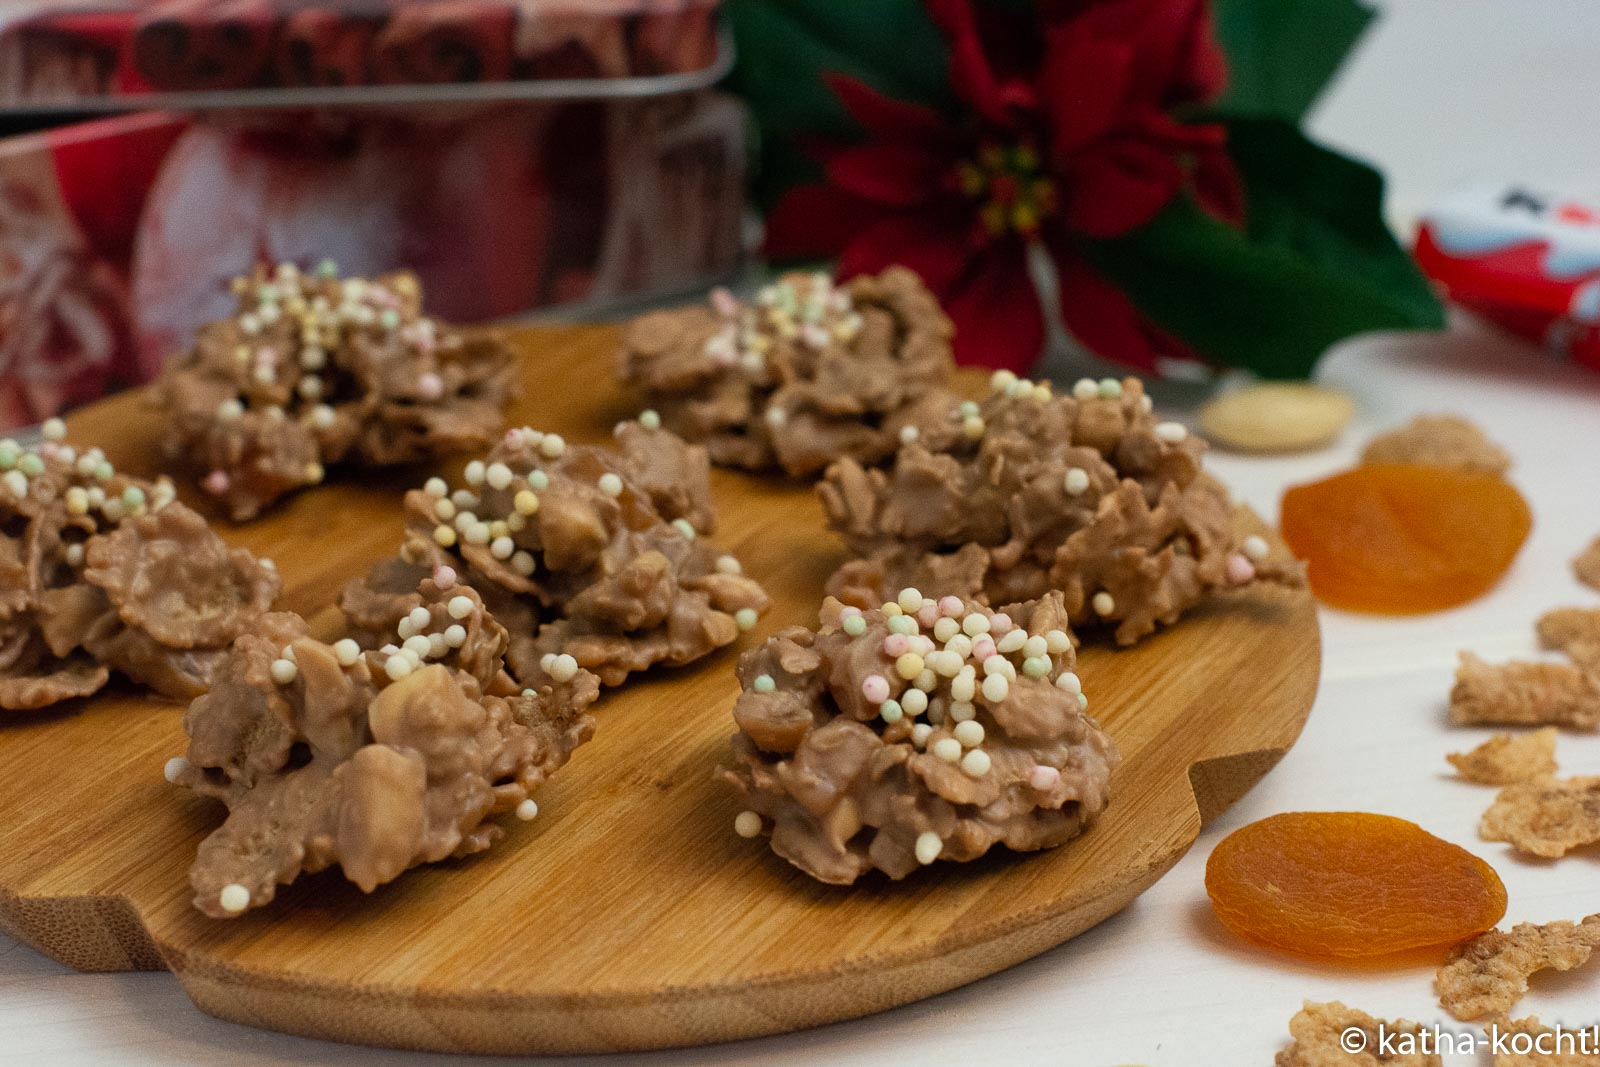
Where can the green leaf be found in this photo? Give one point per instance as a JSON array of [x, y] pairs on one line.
[[784, 47], [1282, 52], [1314, 264]]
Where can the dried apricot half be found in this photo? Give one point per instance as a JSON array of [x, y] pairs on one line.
[[1403, 539], [1349, 885]]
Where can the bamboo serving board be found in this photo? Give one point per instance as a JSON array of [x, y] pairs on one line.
[[627, 915]]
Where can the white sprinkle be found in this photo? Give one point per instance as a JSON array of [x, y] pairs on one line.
[[969, 733], [346, 651], [502, 548], [963, 687], [397, 666], [683, 527], [945, 628], [1103, 603], [310, 387], [1036, 666], [1057, 641], [230, 409], [234, 898], [776, 417], [175, 769], [552, 446], [527, 810], [478, 534], [436, 487], [747, 824], [1076, 481], [284, 671], [650, 419], [459, 607], [920, 734], [1013, 640], [523, 563], [1068, 682], [947, 749], [975, 624], [996, 688], [976, 764], [474, 472], [464, 498], [729, 565], [1171, 432], [1001, 381], [455, 635], [323, 417], [419, 617], [54, 430], [928, 847], [745, 618], [1085, 389], [962, 711], [1035, 645], [914, 701], [610, 484], [1255, 548], [909, 434], [1110, 388], [563, 668], [995, 664], [418, 644], [16, 482]]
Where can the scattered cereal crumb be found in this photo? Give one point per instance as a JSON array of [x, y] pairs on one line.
[[1587, 564], [1546, 817], [1525, 693], [1506, 759], [1563, 1049], [1439, 441], [1489, 974], [1575, 631], [1318, 1029]]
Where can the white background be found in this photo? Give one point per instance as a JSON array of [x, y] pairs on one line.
[[1441, 93]]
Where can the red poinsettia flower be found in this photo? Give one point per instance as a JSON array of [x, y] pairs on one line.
[[1066, 130]]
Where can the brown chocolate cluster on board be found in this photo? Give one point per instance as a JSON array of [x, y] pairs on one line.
[[311, 371], [580, 550], [918, 731], [808, 373], [376, 761], [1028, 492], [100, 572]]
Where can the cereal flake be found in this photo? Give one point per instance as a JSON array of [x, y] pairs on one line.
[[1439, 441], [1546, 817], [1554, 1049], [1587, 565], [1575, 631], [1489, 974], [1318, 1028], [1523, 693], [1506, 759]]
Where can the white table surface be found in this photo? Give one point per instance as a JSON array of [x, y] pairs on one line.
[[1442, 92]]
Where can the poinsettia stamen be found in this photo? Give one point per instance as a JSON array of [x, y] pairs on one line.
[[1007, 187]]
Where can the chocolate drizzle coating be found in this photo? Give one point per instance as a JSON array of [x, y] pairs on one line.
[[806, 375], [100, 572], [312, 371], [620, 582], [843, 792], [981, 501], [345, 765]]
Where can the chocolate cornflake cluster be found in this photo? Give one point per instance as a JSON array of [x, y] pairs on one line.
[[1028, 492], [585, 553], [100, 572], [313, 370], [916, 731], [809, 373], [376, 761]]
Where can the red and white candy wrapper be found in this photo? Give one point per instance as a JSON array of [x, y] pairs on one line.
[[1526, 259]]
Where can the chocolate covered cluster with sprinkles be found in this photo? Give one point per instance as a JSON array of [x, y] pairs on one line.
[[102, 572], [377, 760], [806, 373], [593, 557], [313, 370], [916, 731], [1028, 491]]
